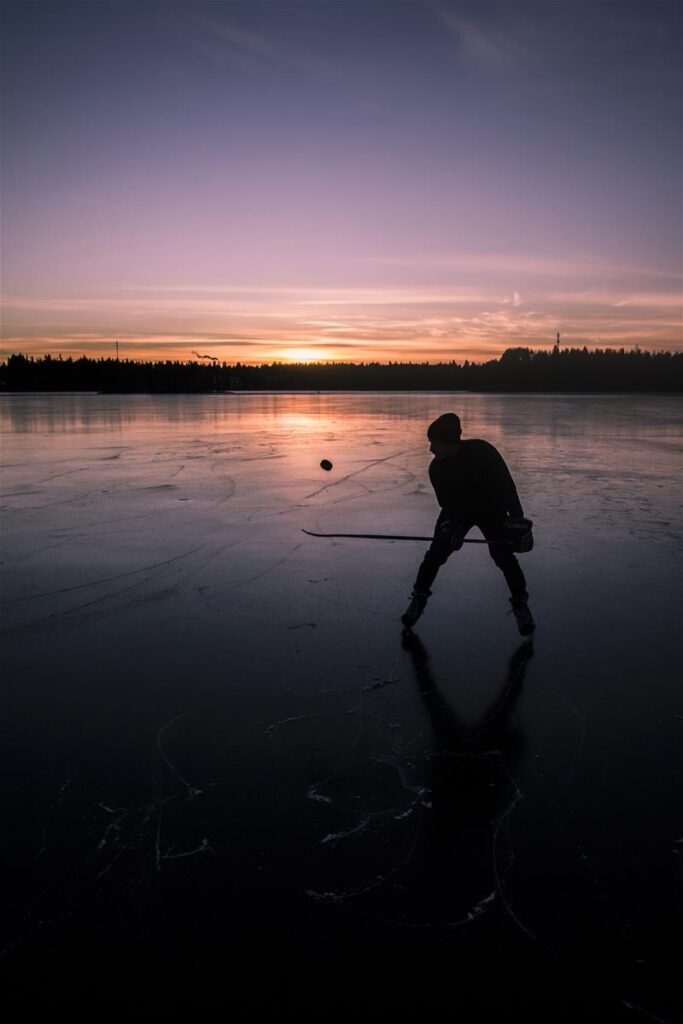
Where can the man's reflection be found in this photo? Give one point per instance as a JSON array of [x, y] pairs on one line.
[[472, 779]]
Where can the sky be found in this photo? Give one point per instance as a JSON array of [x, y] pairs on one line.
[[340, 179]]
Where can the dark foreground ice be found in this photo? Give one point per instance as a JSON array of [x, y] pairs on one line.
[[229, 785]]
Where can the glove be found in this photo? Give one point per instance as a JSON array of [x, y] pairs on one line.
[[519, 534], [455, 534]]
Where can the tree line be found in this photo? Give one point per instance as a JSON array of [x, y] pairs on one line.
[[518, 369]]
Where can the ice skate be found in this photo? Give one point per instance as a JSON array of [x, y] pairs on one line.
[[415, 609], [523, 616]]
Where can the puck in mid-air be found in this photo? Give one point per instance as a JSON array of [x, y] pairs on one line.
[[326, 464]]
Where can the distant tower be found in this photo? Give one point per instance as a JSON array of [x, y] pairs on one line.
[[117, 351], [558, 340]]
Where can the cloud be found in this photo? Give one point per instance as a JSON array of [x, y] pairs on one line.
[[511, 300], [255, 51], [248, 42], [420, 323], [482, 44], [576, 265], [600, 298]]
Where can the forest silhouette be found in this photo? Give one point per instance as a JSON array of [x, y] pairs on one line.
[[518, 369]]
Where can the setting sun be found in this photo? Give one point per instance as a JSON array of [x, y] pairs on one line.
[[305, 355]]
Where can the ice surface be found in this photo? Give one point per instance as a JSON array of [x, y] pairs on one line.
[[222, 758]]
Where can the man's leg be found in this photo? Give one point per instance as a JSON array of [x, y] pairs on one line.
[[437, 554], [504, 558]]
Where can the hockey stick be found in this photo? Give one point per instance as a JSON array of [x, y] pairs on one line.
[[391, 536]]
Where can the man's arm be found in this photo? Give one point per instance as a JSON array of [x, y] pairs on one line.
[[438, 482], [513, 505], [504, 484], [450, 529]]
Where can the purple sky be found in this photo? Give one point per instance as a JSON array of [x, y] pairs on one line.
[[347, 180]]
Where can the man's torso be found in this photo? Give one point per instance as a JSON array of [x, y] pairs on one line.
[[475, 482]]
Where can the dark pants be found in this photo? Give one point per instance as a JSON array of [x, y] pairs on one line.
[[493, 528]]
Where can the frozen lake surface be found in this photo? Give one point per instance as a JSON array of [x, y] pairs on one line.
[[229, 780]]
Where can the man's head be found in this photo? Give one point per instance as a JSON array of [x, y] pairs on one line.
[[444, 435]]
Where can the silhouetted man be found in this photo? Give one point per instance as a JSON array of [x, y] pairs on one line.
[[473, 486]]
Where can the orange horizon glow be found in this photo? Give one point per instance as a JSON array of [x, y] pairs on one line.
[[288, 357], [509, 308]]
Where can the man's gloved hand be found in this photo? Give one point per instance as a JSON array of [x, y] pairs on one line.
[[519, 533], [457, 536], [454, 532]]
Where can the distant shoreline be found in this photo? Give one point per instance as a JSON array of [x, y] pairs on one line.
[[517, 371], [591, 393]]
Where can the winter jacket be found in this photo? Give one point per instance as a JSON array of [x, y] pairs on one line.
[[475, 483]]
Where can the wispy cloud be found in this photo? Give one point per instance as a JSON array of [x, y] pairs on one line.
[[345, 323], [576, 265], [484, 45], [248, 42], [470, 305], [223, 39]]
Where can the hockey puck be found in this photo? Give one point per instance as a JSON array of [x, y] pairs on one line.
[[326, 464]]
